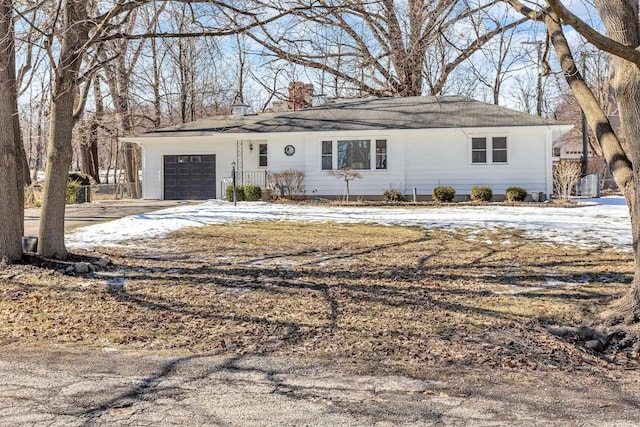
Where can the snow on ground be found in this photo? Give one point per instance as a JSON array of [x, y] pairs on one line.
[[597, 221]]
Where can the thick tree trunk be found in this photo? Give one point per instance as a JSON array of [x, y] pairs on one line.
[[620, 18], [11, 172], [60, 153], [618, 154], [59, 149]]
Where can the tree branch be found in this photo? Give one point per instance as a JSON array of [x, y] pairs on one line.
[[595, 38]]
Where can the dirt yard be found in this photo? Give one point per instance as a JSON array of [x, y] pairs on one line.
[[372, 300]]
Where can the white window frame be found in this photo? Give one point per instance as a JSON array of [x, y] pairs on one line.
[[372, 152], [330, 155], [489, 149], [265, 156], [472, 150]]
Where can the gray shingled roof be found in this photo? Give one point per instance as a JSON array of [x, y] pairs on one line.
[[419, 112]]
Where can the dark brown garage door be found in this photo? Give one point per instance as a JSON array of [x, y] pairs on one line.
[[189, 177]]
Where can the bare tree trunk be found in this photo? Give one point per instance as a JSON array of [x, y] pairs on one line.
[[89, 151], [59, 151], [89, 142], [620, 18], [620, 14], [119, 79], [157, 110], [184, 91], [11, 172], [37, 164]]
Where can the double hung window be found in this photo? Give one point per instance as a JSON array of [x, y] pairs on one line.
[[327, 155], [262, 155], [381, 153], [489, 150]]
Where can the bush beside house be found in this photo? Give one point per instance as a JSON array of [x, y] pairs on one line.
[[443, 193], [249, 193], [228, 193], [516, 194], [392, 195], [252, 192], [481, 193]]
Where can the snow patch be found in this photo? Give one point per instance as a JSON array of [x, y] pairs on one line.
[[603, 222]]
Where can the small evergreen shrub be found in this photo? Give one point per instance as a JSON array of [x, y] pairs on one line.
[[516, 194], [73, 188], [251, 192], [80, 177], [392, 195], [443, 193], [481, 194], [228, 193], [77, 191]]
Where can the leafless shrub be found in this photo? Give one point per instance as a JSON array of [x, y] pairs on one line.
[[346, 174], [565, 177], [288, 184]]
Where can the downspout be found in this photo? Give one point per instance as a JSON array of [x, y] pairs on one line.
[[548, 164]]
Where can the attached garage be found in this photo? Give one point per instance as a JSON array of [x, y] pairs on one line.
[[189, 177]]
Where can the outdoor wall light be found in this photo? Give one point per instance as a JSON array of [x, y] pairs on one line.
[[251, 146]]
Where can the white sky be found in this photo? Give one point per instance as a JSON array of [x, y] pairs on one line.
[[599, 221]]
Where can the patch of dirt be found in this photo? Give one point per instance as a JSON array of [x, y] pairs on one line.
[[368, 299]]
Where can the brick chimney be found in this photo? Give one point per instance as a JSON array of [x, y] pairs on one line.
[[300, 95]]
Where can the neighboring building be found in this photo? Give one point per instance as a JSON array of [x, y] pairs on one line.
[[569, 147], [395, 143]]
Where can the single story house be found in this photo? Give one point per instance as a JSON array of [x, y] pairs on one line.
[[408, 144]]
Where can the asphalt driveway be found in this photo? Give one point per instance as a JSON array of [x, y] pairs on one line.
[[93, 387], [99, 211]]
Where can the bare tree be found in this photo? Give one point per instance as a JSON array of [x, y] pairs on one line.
[[73, 32], [347, 175], [40, 132], [89, 135], [73, 38], [379, 47], [565, 177], [13, 170], [501, 58], [622, 41]]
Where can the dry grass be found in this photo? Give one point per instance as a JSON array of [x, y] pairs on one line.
[[367, 298]]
